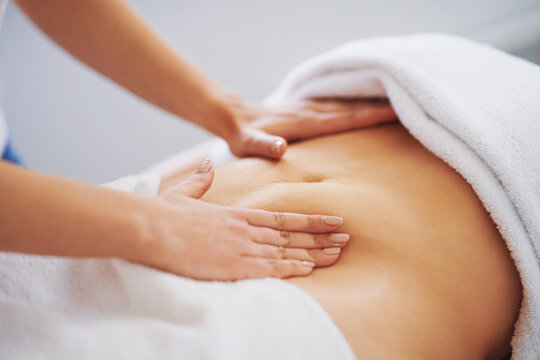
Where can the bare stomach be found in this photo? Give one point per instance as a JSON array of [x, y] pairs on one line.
[[425, 273]]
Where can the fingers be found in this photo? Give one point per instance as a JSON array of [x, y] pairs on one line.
[[253, 142], [306, 119], [354, 117], [321, 257], [299, 239], [197, 184], [339, 105], [360, 117], [287, 236], [261, 267], [292, 222], [320, 117], [332, 122]]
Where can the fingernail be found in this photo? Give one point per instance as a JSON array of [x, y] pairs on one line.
[[332, 251], [332, 220], [276, 147], [339, 238], [308, 263], [205, 166]]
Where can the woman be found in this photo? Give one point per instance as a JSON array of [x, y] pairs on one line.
[[41, 214], [425, 272]]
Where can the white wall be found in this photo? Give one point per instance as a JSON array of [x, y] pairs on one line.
[[67, 120]]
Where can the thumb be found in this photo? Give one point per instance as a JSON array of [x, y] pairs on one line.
[[197, 184], [253, 142]]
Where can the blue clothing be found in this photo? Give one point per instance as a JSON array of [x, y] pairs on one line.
[[10, 154], [7, 153]]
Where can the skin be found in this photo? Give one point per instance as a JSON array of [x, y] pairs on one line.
[[425, 274], [48, 215]]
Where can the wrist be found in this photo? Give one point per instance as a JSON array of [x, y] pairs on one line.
[[223, 113], [159, 235], [146, 236], [222, 107]]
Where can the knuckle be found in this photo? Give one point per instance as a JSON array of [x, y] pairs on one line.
[[281, 268], [231, 212], [279, 218], [285, 237], [249, 141], [273, 267], [197, 179], [272, 263], [282, 252], [239, 228], [320, 239]]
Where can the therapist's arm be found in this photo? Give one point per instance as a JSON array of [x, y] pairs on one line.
[[47, 215], [109, 37]]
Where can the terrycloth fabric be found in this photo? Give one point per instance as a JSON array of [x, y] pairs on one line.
[[476, 108], [53, 308], [144, 185]]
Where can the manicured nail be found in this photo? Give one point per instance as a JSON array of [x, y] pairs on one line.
[[205, 166], [332, 220], [276, 147], [339, 238], [308, 263], [332, 251]]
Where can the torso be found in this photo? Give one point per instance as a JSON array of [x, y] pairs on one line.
[[425, 274]]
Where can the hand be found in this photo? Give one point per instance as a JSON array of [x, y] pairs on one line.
[[211, 242], [265, 131]]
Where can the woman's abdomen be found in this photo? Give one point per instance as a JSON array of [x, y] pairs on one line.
[[425, 273]]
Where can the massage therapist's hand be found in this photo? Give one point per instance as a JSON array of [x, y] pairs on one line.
[[210, 242], [266, 130]]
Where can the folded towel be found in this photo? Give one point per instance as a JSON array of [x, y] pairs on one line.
[[476, 108]]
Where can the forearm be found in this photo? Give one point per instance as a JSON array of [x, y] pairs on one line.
[[46, 215], [109, 37]]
